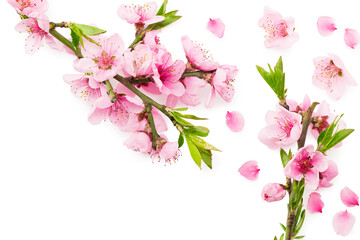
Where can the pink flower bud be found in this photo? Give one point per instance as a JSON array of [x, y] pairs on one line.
[[349, 198], [273, 192]]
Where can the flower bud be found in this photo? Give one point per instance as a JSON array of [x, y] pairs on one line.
[[273, 192]]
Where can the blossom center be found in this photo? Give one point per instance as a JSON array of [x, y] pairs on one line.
[[24, 4], [286, 125], [304, 163], [105, 61]]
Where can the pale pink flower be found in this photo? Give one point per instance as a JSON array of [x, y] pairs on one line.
[[216, 26], [38, 28], [222, 84], [85, 87], [235, 121], [140, 14], [279, 31], [118, 112], [192, 90], [102, 61], [329, 174], [30, 8], [315, 204], [273, 192], [343, 222], [168, 152], [307, 164], [326, 25], [330, 74], [349, 198], [139, 141], [197, 57], [249, 170], [284, 128], [351, 37], [138, 62]]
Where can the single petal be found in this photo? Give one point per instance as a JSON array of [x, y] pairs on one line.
[[315, 204], [329, 174], [171, 101], [312, 179], [97, 116], [216, 26], [351, 37], [326, 25], [349, 198], [249, 170], [33, 43], [235, 121], [343, 222], [210, 99]]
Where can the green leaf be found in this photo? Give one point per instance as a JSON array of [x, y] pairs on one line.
[[338, 137], [180, 140], [75, 39], [279, 66], [299, 237], [202, 144], [188, 116], [170, 18], [162, 9], [198, 130], [282, 237], [91, 40], [179, 120], [206, 156], [87, 30], [194, 151], [284, 157], [266, 76], [300, 223], [275, 238], [181, 109], [283, 227]]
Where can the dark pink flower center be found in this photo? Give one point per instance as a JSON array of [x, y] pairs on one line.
[[105, 61], [286, 125], [320, 123], [282, 29], [37, 30], [24, 4], [304, 163]]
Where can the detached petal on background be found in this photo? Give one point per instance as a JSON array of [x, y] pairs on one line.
[[216, 26], [351, 37], [343, 222], [326, 25], [349, 198], [315, 204], [249, 170], [235, 121]]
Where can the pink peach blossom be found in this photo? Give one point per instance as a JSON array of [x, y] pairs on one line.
[[349, 198], [351, 37], [198, 57], [315, 204], [102, 61], [168, 152], [279, 31], [329, 174], [216, 26], [330, 74], [85, 87], [140, 14], [273, 192], [222, 84], [138, 62], [139, 141], [284, 128], [235, 121], [307, 164], [30, 8], [192, 90], [343, 222], [249, 170], [38, 29], [326, 25]]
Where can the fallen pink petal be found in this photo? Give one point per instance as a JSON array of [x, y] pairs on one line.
[[235, 121], [216, 26], [351, 37], [249, 170], [326, 25], [349, 198], [315, 204], [343, 222]]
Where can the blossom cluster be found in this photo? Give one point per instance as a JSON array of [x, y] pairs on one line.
[[118, 81]]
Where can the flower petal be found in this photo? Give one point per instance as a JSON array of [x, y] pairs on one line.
[[351, 37], [343, 222], [315, 204], [326, 25], [349, 198], [235, 121], [216, 26], [249, 170]]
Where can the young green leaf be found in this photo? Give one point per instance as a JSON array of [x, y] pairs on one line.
[[194, 151], [75, 39], [188, 116], [181, 109], [170, 18], [206, 156], [162, 9], [198, 131], [201, 143], [338, 137], [180, 140], [87, 30], [298, 237], [283, 227], [284, 157]]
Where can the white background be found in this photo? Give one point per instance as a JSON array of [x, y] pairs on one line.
[[63, 178]]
